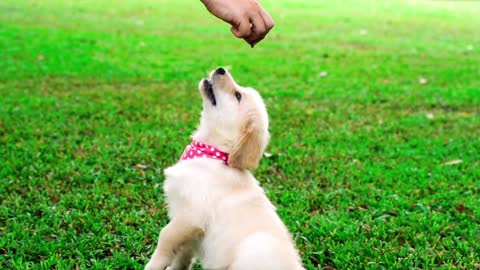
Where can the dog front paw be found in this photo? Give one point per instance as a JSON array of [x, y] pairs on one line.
[[156, 264]]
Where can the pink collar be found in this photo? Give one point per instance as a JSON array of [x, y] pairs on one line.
[[202, 150]]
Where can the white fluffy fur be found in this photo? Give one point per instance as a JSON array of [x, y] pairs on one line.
[[219, 214]]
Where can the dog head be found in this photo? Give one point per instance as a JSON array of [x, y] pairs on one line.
[[234, 119]]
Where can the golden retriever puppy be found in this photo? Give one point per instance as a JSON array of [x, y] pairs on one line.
[[218, 212]]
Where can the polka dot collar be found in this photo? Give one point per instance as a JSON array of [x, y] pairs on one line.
[[202, 150]]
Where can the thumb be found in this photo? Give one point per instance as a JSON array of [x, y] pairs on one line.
[[242, 29]]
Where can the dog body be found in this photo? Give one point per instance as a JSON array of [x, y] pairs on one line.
[[240, 224], [219, 214]]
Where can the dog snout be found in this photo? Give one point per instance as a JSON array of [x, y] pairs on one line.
[[220, 71]]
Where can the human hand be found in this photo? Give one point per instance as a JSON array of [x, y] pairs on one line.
[[248, 18]]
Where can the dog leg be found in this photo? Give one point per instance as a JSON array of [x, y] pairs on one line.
[[173, 237], [183, 259]]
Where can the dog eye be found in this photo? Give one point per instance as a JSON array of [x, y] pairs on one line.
[[238, 96]]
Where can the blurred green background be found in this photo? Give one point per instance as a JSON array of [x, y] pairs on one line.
[[374, 109]]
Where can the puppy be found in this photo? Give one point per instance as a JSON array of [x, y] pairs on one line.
[[218, 212]]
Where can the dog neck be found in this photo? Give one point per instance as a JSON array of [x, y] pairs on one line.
[[202, 150]]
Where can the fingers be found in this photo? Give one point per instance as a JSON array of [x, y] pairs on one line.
[[267, 19], [258, 30], [242, 29], [262, 23], [248, 18]]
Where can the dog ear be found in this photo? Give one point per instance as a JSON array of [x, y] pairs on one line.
[[249, 149]]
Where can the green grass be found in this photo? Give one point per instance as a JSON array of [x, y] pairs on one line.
[[88, 90]]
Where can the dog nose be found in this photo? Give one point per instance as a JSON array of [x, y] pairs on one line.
[[220, 71]]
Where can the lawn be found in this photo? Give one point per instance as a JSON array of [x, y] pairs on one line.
[[375, 124]]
